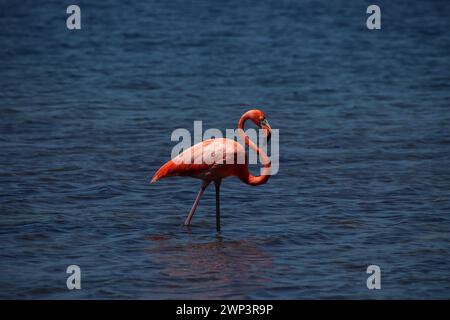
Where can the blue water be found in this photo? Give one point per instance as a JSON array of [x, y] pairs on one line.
[[86, 118]]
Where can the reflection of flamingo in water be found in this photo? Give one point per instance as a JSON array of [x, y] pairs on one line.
[[243, 264], [215, 159]]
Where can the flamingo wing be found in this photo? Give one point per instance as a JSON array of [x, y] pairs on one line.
[[200, 159]]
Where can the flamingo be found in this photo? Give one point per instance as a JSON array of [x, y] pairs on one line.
[[216, 159]]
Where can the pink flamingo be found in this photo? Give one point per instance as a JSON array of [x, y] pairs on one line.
[[216, 159]]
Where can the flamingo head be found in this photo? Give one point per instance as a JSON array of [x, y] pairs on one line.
[[258, 117]]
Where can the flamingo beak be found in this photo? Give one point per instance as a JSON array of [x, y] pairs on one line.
[[266, 129]]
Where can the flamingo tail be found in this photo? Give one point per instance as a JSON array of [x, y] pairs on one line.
[[165, 171]]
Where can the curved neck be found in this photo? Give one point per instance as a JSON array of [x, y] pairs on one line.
[[246, 176]]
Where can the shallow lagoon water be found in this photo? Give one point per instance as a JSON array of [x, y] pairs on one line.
[[86, 118]]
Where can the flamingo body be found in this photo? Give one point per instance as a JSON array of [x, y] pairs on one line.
[[211, 160]]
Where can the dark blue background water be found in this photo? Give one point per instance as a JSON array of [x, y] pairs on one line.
[[86, 118]]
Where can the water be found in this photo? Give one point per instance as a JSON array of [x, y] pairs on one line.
[[86, 119]]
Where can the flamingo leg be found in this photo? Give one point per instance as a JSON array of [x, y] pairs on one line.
[[194, 206], [217, 183]]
